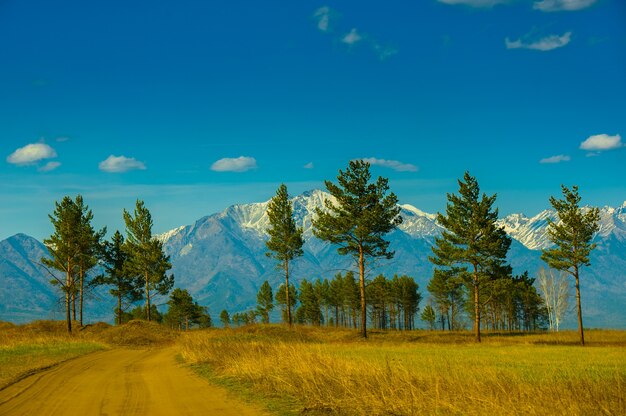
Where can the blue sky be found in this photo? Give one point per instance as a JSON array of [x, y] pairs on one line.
[[195, 105]]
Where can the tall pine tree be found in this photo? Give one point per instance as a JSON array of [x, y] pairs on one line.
[[90, 243], [364, 213], [285, 242], [146, 258], [472, 246], [126, 287], [571, 236], [64, 249], [265, 302]]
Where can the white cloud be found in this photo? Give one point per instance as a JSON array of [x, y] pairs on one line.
[[236, 164], [50, 166], [120, 164], [547, 43], [602, 142], [31, 153], [475, 3], [323, 16], [562, 5], [352, 37], [308, 165], [555, 159], [392, 164]]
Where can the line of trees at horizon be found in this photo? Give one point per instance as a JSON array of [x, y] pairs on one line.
[[472, 277]]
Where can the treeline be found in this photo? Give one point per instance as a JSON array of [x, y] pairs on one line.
[[472, 278], [393, 303], [510, 303]]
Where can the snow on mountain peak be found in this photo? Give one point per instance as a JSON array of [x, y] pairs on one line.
[[531, 232]]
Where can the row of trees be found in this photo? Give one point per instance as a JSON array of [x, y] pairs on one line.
[[469, 256], [135, 267], [471, 271], [509, 303], [393, 303]]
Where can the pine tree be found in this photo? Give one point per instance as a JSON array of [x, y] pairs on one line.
[[90, 244], [146, 258], [281, 299], [225, 318], [428, 315], [64, 249], [126, 288], [285, 242], [184, 312], [364, 213], [471, 240], [265, 302], [571, 237]]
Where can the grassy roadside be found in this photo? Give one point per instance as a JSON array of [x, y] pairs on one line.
[[320, 371], [25, 349]]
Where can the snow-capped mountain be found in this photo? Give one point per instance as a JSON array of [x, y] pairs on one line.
[[221, 259], [532, 232], [224, 254]]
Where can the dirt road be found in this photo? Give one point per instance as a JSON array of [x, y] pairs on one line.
[[119, 382]]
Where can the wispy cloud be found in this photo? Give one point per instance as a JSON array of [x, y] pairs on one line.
[[475, 3], [600, 142], [50, 166], [352, 37], [392, 164], [236, 164], [323, 17], [562, 5], [31, 154], [384, 51], [544, 44], [556, 159], [120, 164], [309, 165]]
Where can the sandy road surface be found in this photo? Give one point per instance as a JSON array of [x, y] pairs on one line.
[[119, 382]]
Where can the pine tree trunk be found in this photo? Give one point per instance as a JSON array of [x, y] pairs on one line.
[[580, 312], [73, 303], [476, 305], [68, 288], [362, 286], [147, 299], [119, 307], [289, 322], [80, 300]]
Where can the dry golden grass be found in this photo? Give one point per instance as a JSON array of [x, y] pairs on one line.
[[334, 371], [27, 348], [137, 334]]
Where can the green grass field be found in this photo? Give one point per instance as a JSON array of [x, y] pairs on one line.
[[334, 371]]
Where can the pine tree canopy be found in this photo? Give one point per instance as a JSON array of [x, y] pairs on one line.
[[572, 234], [471, 235], [285, 242], [364, 213]]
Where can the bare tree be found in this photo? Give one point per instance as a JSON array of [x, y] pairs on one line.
[[555, 290]]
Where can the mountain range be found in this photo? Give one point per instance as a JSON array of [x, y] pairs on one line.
[[221, 259]]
